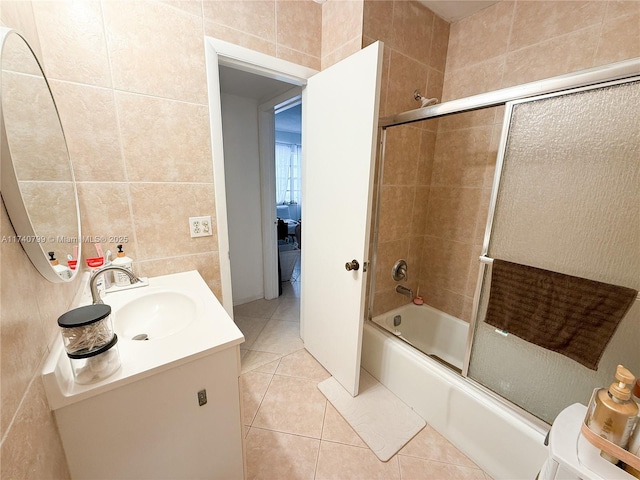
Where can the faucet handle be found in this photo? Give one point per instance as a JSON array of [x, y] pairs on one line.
[[399, 270]]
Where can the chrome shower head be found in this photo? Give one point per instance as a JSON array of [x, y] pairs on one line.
[[424, 102]]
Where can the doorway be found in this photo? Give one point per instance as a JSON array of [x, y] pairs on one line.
[[288, 190], [260, 120], [340, 116]]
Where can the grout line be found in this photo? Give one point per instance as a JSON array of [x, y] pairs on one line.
[[550, 39], [158, 97], [248, 34], [180, 10], [201, 2], [275, 27], [507, 52], [286, 433], [181, 256], [253, 419], [15, 416], [315, 470], [82, 84], [120, 90], [283, 320], [398, 454], [476, 126], [117, 112], [602, 22], [136, 182], [324, 417], [255, 369], [442, 462]]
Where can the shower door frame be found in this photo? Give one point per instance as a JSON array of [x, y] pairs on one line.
[[618, 72], [486, 261], [570, 81], [502, 147]]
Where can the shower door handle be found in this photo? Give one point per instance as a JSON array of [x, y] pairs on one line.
[[352, 265]]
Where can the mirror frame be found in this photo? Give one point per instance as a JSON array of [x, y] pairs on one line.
[[10, 190]]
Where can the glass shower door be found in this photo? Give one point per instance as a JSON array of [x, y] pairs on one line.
[[567, 199]]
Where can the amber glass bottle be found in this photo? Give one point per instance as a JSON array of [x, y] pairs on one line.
[[615, 413]]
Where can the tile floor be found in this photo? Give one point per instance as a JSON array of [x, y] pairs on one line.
[[292, 432]]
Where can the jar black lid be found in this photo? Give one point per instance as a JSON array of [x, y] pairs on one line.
[[95, 352], [86, 315]]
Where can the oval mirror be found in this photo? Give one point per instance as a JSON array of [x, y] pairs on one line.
[[36, 176]]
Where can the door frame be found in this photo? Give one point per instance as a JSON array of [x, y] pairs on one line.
[[219, 52]]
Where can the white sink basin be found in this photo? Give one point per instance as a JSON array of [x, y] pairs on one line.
[[154, 315], [182, 318]]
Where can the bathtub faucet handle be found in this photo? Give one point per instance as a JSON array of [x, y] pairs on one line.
[[399, 270]]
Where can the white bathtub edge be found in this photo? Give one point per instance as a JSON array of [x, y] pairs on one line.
[[502, 443]]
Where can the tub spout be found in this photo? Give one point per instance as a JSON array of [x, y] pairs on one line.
[[404, 291]]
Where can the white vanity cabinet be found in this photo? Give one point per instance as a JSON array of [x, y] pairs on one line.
[[150, 419], [156, 429]]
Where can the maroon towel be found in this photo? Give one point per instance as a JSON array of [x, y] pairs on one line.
[[573, 316]]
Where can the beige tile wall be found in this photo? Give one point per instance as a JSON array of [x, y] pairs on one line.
[[129, 81], [133, 102], [415, 51], [290, 30], [524, 41], [29, 307], [341, 29], [506, 44], [414, 59], [464, 159]]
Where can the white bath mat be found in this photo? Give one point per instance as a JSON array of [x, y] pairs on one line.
[[380, 418]]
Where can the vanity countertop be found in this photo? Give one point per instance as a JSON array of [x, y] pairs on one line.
[[211, 330]]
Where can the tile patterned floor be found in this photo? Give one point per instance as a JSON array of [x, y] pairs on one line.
[[292, 432]]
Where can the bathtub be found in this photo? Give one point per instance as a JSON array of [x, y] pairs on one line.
[[505, 442], [435, 333]]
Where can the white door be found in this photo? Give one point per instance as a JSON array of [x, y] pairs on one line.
[[340, 124]]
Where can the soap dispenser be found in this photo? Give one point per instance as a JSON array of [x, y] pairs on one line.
[[61, 270], [614, 415], [121, 260], [634, 442]]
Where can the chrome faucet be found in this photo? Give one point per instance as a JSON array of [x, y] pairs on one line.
[[404, 291], [95, 295]]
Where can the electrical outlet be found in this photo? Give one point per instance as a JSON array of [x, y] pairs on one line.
[[200, 226]]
